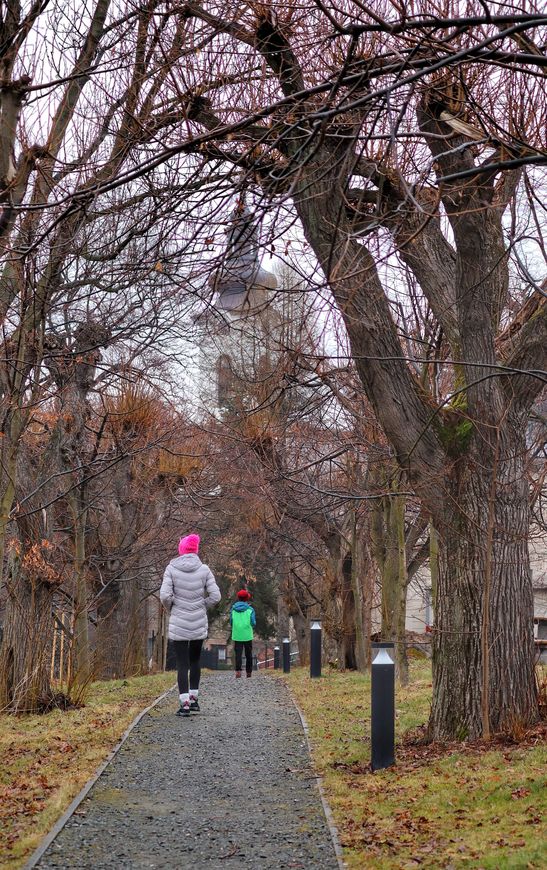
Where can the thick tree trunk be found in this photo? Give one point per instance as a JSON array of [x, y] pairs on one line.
[[484, 604], [135, 645], [120, 630], [25, 654], [111, 632]]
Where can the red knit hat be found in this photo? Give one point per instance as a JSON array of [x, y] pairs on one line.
[[243, 595], [189, 544]]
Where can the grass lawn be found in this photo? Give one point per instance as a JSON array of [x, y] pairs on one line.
[[46, 760], [440, 807]]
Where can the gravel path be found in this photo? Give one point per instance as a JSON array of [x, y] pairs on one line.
[[230, 787]]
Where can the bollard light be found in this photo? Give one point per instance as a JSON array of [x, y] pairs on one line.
[[286, 655], [382, 702], [277, 663], [315, 648]]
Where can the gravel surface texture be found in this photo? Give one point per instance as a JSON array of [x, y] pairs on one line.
[[230, 787]]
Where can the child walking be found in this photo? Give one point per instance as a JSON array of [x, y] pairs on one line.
[[243, 620]]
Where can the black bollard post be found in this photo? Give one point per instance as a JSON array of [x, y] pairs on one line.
[[286, 655], [382, 698], [315, 648], [277, 663], [255, 663]]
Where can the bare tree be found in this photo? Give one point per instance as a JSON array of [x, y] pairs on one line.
[[382, 141], [409, 133], [81, 271]]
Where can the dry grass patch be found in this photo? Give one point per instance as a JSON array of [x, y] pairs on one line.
[[450, 806], [47, 759]]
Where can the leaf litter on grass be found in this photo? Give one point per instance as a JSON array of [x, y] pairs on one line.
[[455, 805], [46, 759]]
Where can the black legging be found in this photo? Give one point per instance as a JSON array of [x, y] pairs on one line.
[[239, 645], [188, 654]]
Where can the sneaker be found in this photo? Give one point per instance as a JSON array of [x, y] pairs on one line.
[[194, 706], [238, 674], [249, 673], [184, 709]]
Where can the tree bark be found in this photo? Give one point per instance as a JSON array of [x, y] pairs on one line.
[[433, 568], [349, 615], [81, 658], [25, 654], [389, 550], [302, 631], [120, 634], [111, 632], [363, 588], [465, 550], [283, 612], [401, 658]]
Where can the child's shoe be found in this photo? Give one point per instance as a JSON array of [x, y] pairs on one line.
[[184, 709], [238, 674], [249, 673], [194, 706]]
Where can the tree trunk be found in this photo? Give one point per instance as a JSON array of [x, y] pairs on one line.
[[134, 661], [81, 659], [302, 631], [401, 653], [467, 556], [9, 454], [433, 568], [25, 655], [109, 656], [298, 609], [401, 658], [362, 576], [120, 635], [6, 504], [282, 612], [349, 616], [388, 538]]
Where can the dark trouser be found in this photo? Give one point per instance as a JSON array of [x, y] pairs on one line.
[[188, 654], [248, 644]]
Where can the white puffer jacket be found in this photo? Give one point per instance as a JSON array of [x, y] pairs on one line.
[[187, 590]]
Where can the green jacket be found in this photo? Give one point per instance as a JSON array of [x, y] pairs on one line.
[[242, 619]]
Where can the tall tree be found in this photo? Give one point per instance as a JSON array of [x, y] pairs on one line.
[[75, 252], [387, 132]]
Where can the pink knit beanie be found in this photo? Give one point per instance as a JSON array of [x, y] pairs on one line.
[[189, 544]]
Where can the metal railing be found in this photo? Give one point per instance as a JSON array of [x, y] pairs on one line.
[[262, 664]]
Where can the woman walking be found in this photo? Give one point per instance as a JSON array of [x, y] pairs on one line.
[[187, 590]]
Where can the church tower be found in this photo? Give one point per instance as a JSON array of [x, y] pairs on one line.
[[236, 336]]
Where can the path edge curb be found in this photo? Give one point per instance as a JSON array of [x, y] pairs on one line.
[[331, 824], [46, 842]]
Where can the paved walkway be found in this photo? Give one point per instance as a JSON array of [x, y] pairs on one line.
[[230, 787]]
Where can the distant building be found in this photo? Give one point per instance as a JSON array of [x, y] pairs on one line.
[[237, 332]]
